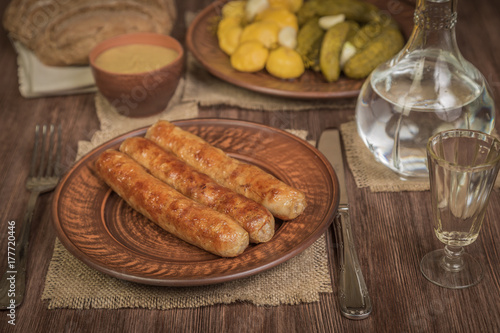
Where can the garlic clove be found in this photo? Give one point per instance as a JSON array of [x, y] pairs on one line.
[[288, 37], [326, 22]]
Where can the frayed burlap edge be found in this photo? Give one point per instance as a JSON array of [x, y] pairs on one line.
[[72, 284]]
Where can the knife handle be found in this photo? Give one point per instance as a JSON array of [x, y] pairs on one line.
[[353, 294]]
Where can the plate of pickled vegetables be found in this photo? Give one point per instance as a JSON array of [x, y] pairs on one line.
[[306, 49]]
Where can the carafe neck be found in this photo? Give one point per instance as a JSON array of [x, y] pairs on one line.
[[434, 26]]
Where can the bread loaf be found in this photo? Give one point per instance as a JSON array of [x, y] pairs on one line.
[[62, 32]]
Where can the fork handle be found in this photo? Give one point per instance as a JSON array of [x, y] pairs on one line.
[[13, 283]]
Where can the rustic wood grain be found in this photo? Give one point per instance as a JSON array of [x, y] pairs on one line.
[[392, 230]]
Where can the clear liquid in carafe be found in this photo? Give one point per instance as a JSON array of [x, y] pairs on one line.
[[398, 111]]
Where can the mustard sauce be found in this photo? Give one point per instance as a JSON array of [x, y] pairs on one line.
[[135, 58]]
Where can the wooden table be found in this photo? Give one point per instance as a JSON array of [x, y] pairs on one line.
[[392, 230]]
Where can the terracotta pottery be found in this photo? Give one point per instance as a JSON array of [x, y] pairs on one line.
[[139, 94], [104, 232]]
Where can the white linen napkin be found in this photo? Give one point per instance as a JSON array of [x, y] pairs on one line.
[[37, 79]]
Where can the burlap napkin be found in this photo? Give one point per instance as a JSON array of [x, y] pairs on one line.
[[369, 173], [72, 284]]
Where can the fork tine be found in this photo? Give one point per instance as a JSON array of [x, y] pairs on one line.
[[57, 170], [34, 155], [41, 167], [50, 162]]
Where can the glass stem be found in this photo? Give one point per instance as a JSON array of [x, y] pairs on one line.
[[452, 260]]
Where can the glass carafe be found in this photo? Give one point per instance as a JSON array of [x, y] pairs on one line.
[[426, 88]]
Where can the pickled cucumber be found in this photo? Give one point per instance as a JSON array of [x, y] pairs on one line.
[[363, 36], [332, 46], [376, 51], [371, 30], [306, 12], [356, 46], [309, 39], [368, 32], [355, 10]]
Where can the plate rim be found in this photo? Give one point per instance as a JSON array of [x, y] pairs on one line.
[[199, 281]]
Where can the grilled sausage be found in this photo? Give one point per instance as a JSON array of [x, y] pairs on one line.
[[192, 222], [164, 165], [282, 200]]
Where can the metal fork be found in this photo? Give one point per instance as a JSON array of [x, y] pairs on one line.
[[43, 176]]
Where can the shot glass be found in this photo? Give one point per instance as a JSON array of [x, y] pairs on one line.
[[463, 166]]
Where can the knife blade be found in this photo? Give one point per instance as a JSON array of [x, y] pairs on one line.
[[353, 295]]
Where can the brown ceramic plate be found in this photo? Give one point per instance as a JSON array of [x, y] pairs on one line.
[[101, 230], [202, 42]]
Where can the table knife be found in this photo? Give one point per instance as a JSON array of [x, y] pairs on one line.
[[353, 294]]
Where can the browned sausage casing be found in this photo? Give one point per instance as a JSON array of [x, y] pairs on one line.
[[282, 200], [190, 221], [164, 165]]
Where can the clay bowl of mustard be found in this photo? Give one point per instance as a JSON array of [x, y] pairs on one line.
[[138, 73]]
